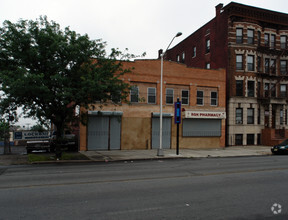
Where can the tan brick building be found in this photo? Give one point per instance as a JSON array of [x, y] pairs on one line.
[[135, 125]]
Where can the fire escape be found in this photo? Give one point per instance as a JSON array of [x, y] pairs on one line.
[[272, 95]]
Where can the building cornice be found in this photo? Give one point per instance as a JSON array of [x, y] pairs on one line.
[[254, 13]]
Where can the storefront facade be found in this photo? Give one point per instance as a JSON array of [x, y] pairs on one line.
[[135, 125]]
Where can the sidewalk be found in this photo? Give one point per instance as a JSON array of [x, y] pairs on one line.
[[18, 157], [125, 155]]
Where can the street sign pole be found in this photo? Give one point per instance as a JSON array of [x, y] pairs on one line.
[[177, 147], [177, 117]]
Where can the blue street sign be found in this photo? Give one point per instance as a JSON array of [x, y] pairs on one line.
[[177, 112]]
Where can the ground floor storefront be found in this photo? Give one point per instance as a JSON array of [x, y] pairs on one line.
[[132, 128]]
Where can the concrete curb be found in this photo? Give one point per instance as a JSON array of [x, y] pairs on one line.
[[144, 155]]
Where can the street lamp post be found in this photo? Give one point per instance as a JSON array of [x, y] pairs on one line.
[[160, 150]]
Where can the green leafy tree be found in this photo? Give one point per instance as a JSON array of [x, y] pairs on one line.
[[49, 71], [38, 127], [4, 130], [5, 135]]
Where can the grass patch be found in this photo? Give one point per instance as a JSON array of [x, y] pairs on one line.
[[40, 157], [51, 157], [73, 156]]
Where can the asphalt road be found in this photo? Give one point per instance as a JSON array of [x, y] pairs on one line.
[[211, 188]]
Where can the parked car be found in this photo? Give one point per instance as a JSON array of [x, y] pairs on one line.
[[281, 148], [68, 143]]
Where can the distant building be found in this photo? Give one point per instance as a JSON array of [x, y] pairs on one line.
[[135, 125], [251, 44]]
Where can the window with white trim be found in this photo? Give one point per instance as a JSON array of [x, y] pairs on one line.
[[283, 42], [151, 95], [169, 96], [214, 98], [283, 88], [250, 116], [185, 97], [283, 67], [239, 116], [239, 62], [239, 35], [200, 97], [250, 36], [250, 62]]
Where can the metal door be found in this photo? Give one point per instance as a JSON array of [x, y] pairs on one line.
[[98, 133], [115, 133], [166, 133], [104, 133]]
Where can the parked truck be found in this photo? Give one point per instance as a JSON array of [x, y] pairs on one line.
[[69, 142]]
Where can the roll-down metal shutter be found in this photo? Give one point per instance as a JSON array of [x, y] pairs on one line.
[[166, 133], [201, 127], [104, 133]]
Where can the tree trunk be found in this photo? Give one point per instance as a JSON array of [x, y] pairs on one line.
[[7, 149], [59, 139]]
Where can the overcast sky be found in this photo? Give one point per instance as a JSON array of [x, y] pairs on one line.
[[139, 25]]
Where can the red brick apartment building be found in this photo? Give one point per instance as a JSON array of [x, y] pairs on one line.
[[135, 125], [251, 44]]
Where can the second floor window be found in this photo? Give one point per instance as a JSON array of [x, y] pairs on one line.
[[169, 96], [239, 116], [214, 98], [185, 97], [200, 97], [134, 94], [151, 95]]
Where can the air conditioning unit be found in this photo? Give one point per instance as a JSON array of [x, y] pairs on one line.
[[238, 122]]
